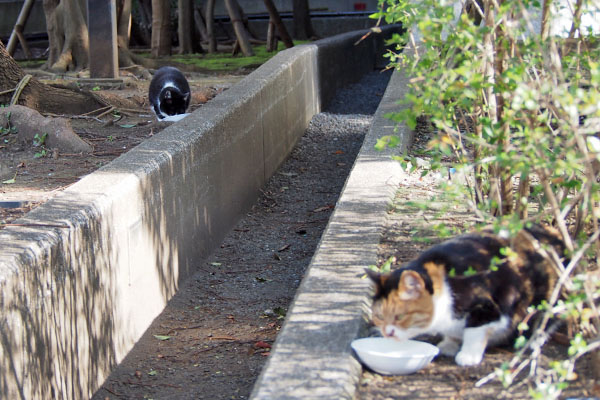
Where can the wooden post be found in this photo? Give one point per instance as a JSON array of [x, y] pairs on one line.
[[271, 37], [274, 16], [102, 26], [238, 27], [18, 30]]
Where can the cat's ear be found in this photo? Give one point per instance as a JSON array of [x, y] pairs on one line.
[[378, 278], [411, 285]]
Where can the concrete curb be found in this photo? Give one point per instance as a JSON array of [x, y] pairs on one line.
[[100, 261], [312, 357]]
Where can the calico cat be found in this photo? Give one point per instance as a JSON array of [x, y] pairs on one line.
[[169, 92], [451, 289]]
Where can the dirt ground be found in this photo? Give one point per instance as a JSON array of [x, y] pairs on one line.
[[30, 175]]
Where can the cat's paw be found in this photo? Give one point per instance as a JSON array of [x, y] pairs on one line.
[[466, 358], [449, 346]]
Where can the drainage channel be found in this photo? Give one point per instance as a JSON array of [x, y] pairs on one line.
[[215, 334]]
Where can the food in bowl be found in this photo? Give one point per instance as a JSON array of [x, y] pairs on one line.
[[388, 356]]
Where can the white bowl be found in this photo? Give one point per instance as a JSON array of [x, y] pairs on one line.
[[174, 118], [392, 357]]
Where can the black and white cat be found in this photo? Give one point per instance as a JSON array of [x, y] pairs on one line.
[[169, 93], [453, 289]]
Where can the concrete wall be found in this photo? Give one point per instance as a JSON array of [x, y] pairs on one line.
[[78, 289]]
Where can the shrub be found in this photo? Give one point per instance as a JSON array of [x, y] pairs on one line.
[[517, 113]]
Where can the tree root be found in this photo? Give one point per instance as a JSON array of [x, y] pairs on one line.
[[20, 86], [50, 132]]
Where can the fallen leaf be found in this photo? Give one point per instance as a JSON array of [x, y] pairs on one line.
[[216, 264], [127, 125], [339, 152], [265, 354], [283, 248], [10, 181], [262, 345], [280, 311], [324, 208], [152, 373], [289, 174], [162, 337]]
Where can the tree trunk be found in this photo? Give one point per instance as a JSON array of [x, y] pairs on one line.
[[545, 26], [199, 24], [124, 31], [142, 22], [124, 24], [274, 14], [271, 37], [210, 26], [17, 33], [161, 32], [184, 25], [302, 25], [200, 33], [39, 96], [238, 26], [67, 34]]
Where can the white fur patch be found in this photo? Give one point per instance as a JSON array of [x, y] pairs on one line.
[[475, 340], [443, 320]]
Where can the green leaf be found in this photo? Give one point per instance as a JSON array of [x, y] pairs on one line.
[[128, 125], [162, 337], [11, 181], [520, 342], [280, 311], [387, 141]]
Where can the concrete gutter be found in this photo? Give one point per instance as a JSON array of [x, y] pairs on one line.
[[99, 262], [312, 358]]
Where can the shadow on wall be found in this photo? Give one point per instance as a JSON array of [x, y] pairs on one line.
[[41, 324]]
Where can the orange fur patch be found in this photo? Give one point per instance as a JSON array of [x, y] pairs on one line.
[[408, 306]]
